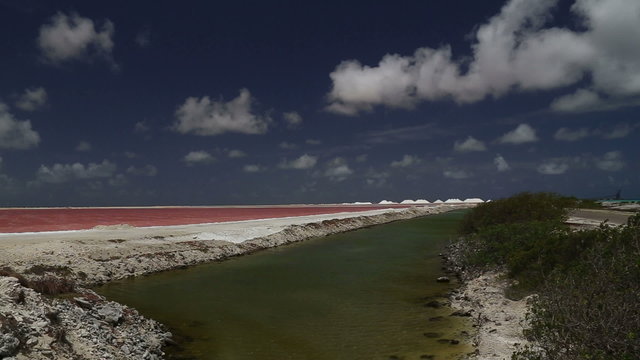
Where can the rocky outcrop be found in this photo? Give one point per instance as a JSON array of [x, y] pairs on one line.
[[33, 326]]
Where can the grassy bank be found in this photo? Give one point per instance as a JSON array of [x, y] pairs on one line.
[[587, 282]]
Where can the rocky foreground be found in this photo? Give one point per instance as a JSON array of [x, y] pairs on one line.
[[84, 325]]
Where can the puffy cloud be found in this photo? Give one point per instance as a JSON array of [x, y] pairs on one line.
[[302, 163], [293, 119], [83, 146], [147, 170], [553, 167], [407, 160], [513, 50], [520, 135], [456, 174], [198, 157], [60, 173], [500, 163], [70, 37], [565, 134], [252, 168], [581, 100], [16, 134], [206, 117], [338, 169], [357, 87], [32, 99], [470, 144], [611, 161], [287, 145]]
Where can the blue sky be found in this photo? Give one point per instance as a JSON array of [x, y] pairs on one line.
[[194, 103]]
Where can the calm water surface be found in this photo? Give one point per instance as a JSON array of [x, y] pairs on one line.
[[357, 295]]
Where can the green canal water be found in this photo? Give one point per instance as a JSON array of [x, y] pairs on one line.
[[356, 295]]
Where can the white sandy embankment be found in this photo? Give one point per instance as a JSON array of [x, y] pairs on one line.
[[498, 321], [33, 326]]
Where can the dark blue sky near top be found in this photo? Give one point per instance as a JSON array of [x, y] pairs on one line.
[[246, 102]]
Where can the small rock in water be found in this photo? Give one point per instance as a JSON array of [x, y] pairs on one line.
[[433, 304], [443, 279], [461, 313], [432, 334]]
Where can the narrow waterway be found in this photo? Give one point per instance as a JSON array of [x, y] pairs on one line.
[[357, 295]]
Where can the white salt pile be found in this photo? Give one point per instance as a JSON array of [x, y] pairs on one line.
[[386, 202], [422, 201], [438, 201], [449, 201], [407, 202], [473, 201]]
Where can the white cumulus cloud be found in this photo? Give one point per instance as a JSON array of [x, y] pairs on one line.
[[500, 163], [611, 161], [338, 169], [32, 99], [515, 50], [406, 161], [470, 144], [16, 134], [293, 119], [553, 167], [203, 116], [522, 134], [198, 157], [302, 163], [71, 37], [60, 173]]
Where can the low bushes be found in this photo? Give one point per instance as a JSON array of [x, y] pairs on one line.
[[521, 208], [590, 310], [587, 282]]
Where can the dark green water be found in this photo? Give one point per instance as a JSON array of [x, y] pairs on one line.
[[357, 295]]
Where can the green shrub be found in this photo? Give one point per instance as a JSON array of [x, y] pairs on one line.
[[520, 208], [589, 311]]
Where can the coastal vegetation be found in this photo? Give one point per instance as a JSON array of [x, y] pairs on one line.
[[587, 282]]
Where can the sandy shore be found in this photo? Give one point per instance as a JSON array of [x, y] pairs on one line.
[[33, 326]]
